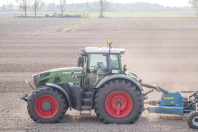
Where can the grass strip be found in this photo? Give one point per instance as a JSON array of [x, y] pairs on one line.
[[142, 15], [76, 25]]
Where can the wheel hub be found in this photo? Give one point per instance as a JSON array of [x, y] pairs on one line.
[[119, 101], [47, 106], [118, 104], [195, 120]]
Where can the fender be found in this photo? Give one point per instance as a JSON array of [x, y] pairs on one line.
[[62, 90], [118, 77]]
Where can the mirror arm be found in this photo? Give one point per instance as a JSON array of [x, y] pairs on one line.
[[26, 81]]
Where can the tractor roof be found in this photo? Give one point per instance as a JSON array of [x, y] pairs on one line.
[[104, 50]]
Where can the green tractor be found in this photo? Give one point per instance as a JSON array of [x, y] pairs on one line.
[[98, 82]]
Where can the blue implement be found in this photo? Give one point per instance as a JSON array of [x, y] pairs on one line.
[[166, 110], [171, 103]]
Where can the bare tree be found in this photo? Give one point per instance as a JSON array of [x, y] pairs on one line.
[[62, 6], [23, 4], [37, 5], [103, 4], [194, 5]]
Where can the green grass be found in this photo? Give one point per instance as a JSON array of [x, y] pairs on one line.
[[72, 26], [76, 25], [142, 15]]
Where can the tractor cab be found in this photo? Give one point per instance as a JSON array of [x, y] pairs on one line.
[[100, 62]]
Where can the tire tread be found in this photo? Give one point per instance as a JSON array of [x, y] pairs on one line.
[[189, 119]]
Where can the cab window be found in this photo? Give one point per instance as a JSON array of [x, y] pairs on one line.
[[113, 62]]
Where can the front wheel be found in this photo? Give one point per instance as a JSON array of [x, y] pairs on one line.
[[192, 120], [119, 101], [47, 105]]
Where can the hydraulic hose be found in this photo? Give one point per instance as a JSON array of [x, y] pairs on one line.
[[154, 87]]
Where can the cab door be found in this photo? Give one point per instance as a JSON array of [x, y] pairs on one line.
[[98, 65]]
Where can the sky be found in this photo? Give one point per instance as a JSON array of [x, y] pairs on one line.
[[177, 3]]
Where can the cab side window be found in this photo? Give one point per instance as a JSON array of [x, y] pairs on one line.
[[113, 62]]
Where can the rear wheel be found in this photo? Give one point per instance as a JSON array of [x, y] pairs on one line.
[[192, 119], [47, 105], [119, 101]]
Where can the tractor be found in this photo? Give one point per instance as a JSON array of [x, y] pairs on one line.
[[100, 82]]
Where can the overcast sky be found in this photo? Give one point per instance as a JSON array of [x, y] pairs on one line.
[[176, 3]]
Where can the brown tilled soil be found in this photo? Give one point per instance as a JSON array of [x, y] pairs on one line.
[[161, 51]]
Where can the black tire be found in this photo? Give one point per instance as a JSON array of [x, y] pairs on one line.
[[192, 120], [58, 96], [113, 86]]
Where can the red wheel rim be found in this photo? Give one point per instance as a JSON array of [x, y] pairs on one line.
[[46, 106], [118, 104]]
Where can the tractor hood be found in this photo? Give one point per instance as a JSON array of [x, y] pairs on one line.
[[69, 70], [60, 75]]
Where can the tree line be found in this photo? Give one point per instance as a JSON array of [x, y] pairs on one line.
[[98, 6]]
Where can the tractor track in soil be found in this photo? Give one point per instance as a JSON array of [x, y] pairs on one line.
[[160, 51]]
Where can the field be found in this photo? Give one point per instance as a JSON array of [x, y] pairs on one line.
[[161, 51]]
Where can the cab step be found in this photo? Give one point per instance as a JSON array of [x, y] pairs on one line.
[[85, 110], [85, 114], [86, 102]]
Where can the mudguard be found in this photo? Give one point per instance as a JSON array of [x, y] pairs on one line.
[[62, 90], [119, 77]]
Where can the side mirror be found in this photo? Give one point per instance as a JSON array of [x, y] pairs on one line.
[[124, 69], [79, 58]]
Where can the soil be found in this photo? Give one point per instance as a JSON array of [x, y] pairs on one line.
[[161, 51]]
